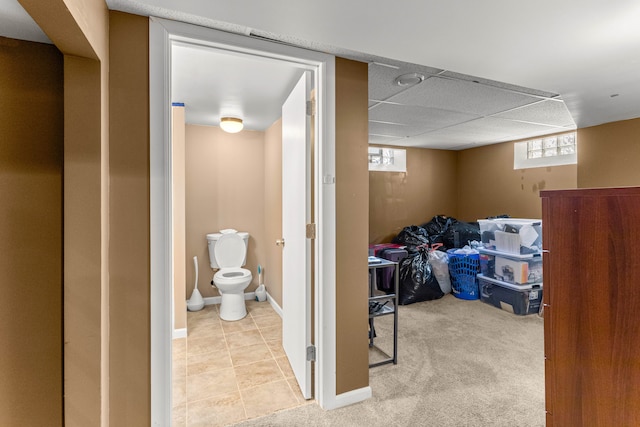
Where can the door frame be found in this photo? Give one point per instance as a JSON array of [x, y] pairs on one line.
[[161, 35]]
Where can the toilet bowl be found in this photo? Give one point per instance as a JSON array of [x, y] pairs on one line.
[[228, 252]]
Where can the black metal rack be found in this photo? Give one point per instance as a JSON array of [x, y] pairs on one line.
[[383, 304]]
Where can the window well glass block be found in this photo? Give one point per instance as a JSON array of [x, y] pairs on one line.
[[569, 149], [535, 154], [550, 143], [536, 144], [549, 152]]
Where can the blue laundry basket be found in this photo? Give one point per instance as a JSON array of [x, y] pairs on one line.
[[463, 269]]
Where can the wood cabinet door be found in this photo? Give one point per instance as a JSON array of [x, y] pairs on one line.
[[592, 318]]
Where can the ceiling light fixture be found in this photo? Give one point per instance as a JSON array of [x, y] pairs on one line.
[[409, 79], [231, 124]]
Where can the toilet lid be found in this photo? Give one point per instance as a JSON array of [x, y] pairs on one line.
[[230, 250]]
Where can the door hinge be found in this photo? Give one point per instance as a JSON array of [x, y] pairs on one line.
[[311, 353], [311, 108], [311, 231]]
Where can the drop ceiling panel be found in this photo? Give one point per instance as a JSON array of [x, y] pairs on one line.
[[462, 96], [546, 112], [428, 118], [507, 86], [490, 130], [382, 139], [396, 130], [382, 78]]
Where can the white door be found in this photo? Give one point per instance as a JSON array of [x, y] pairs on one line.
[[296, 274]]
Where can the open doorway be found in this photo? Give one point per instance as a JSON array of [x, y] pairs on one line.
[[320, 66]]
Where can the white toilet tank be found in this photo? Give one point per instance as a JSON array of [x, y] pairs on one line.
[[211, 243]]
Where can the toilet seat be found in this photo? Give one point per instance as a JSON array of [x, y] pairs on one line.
[[229, 276]]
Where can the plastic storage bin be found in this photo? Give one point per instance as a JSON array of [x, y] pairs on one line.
[[511, 269], [511, 235], [516, 299], [463, 269]]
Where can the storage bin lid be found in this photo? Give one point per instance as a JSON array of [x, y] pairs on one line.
[[515, 287]]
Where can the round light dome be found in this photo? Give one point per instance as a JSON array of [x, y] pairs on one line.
[[231, 124]]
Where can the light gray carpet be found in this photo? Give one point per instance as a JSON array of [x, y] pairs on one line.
[[460, 363]]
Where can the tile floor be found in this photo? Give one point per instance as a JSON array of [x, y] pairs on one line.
[[227, 372]]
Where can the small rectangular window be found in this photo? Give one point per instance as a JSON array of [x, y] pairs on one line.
[[387, 159], [547, 151]]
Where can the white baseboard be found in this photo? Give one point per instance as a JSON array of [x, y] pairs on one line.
[[179, 333], [349, 398], [275, 305]]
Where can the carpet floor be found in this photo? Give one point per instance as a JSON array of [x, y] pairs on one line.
[[460, 363]]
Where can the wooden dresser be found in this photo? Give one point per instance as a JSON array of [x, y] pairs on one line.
[[591, 239]]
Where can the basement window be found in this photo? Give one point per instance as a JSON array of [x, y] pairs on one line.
[[553, 150], [387, 159]]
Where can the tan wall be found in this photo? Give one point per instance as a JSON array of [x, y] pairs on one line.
[[130, 397], [488, 185], [398, 199], [79, 29], [224, 189], [273, 210], [352, 231], [608, 155], [180, 263], [31, 162]]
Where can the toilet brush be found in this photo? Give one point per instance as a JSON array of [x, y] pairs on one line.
[[196, 302]]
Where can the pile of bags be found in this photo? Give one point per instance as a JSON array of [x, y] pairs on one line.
[[424, 273]]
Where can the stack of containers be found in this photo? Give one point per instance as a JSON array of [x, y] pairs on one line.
[[511, 264]]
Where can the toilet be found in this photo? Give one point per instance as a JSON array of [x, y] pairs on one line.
[[228, 252]]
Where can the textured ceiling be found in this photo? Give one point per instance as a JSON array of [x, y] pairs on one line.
[[567, 63], [455, 111]]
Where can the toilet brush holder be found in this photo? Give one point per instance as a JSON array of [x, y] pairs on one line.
[[261, 293]]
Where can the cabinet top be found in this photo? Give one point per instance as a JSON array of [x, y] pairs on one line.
[[593, 192]]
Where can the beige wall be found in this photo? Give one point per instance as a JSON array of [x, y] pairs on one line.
[[130, 397], [608, 155], [31, 163], [224, 189], [79, 29], [273, 210], [399, 199], [180, 263], [488, 185], [352, 231]]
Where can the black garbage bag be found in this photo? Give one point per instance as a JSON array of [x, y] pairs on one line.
[[460, 233], [417, 281], [437, 227], [412, 237]]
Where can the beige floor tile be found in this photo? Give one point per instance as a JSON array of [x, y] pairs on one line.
[[276, 348], [285, 367], [293, 383], [246, 324], [250, 354], [273, 333], [243, 339], [178, 346], [210, 384], [205, 344], [257, 373], [208, 361], [179, 390], [202, 331], [207, 311], [221, 410], [179, 416], [179, 366], [271, 320], [256, 309], [268, 398]]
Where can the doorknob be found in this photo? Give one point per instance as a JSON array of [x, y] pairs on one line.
[[280, 242]]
